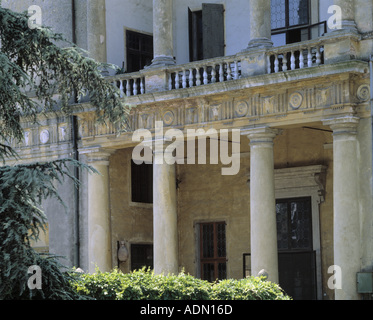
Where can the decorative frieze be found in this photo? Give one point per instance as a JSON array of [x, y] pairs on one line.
[[254, 106]]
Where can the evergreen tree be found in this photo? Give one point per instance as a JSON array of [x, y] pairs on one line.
[[32, 61]]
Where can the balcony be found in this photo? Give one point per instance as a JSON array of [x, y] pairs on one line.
[[301, 55], [302, 82]]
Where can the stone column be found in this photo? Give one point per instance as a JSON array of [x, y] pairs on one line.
[[348, 14], [260, 24], [162, 33], [99, 229], [263, 230], [164, 213], [96, 30], [345, 203]]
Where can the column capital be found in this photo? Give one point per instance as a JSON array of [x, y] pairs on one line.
[[343, 125], [97, 155], [260, 134]]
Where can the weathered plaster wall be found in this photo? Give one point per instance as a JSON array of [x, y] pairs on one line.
[[205, 195], [130, 222]]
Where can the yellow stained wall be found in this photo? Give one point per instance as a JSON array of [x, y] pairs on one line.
[[206, 195]]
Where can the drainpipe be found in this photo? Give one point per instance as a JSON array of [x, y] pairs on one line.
[[371, 106], [74, 131]]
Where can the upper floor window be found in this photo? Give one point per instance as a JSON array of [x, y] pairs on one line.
[[291, 22], [206, 32], [139, 50]]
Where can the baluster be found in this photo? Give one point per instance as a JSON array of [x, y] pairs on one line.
[[276, 63], [184, 79], [284, 62], [229, 72], [301, 59], [128, 88], [205, 79], [221, 72], [269, 70], [309, 57], [142, 89], [198, 77], [292, 61], [170, 81], [213, 74], [121, 88], [177, 84], [318, 56], [190, 78], [135, 87], [235, 75]]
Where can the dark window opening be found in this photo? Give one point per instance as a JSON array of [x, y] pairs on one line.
[[213, 251], [141, 182], [141, 256], [139, 50]]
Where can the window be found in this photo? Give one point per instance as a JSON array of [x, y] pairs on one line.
[[206, 32], [291, 22], [141, 182], [294, 224], [213, 251], [139, 50], [141, 256]]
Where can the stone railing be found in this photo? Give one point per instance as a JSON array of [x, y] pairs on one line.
[[301, 55], [204, 72], [129, 84], [295, 56]]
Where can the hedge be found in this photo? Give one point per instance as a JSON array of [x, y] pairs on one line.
[[144, 285]]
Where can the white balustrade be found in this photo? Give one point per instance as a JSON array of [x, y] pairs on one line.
[[203, 72], [293, 57], [290, 57], [129, 85]]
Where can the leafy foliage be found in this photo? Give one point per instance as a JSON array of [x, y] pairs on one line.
[[31, 62], [40, 72], [144, 285], [22, 190]]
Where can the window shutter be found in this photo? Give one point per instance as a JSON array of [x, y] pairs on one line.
[[213, 30]]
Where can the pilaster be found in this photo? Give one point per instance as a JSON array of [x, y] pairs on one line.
[[96, 30]]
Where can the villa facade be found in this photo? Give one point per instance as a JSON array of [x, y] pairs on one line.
[[284, 86]]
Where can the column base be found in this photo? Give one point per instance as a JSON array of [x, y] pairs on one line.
[[347, 26], [162, 61], [259, 43]]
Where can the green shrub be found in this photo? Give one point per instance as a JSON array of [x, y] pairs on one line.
[[144, 285]]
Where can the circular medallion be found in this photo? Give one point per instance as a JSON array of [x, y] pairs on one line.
[[241, 109], [295, 100], [363, 93], [168, 118]]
